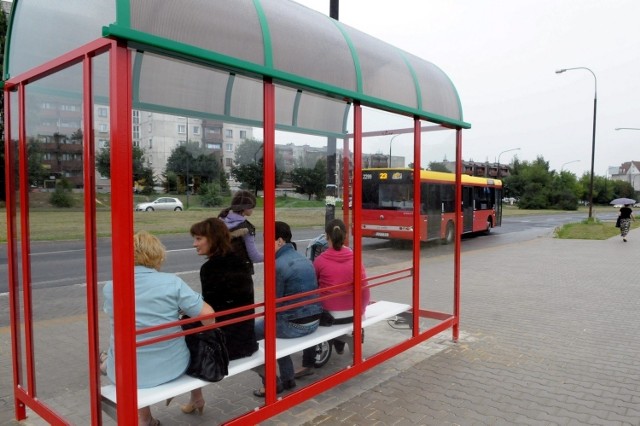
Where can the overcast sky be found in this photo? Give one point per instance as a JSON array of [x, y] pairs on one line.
[[502, 55]]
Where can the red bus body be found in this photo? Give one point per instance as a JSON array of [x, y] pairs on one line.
[[387, 204]]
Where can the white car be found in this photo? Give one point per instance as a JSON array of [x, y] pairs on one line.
[[163, 203]]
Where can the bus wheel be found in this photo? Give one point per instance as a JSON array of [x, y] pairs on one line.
[[449, 235]]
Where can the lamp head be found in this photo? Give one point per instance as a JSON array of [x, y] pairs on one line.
[[560, 71]]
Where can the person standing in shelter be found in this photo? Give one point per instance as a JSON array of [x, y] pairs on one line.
[[294, 274], [226, 284], [243, 232], [333, 267], [626, 216], [159, 297]]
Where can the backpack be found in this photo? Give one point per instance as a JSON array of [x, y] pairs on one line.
[[316, 247], [237, 242]]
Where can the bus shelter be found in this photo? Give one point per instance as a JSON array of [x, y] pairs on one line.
[[82, 76]]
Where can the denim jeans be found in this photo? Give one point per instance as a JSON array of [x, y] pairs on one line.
[[286, 330]]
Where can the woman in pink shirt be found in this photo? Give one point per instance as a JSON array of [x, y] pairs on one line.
[[334, 267]]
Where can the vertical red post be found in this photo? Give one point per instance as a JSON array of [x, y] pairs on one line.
[[357, 232], [459, 219], [269, 185], [122, 231], [12, 253], [25, 242], [90, 239], [417, 222]]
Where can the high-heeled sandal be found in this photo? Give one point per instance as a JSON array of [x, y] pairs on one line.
[[192, 406]]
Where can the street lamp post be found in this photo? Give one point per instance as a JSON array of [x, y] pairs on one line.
[[508, 150], [568, 162], [392, 138], [593, 137]]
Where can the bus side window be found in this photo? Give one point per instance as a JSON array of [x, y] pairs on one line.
[[481, 198], [448, 198]]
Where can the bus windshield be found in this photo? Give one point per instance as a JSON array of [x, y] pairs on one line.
[[387, 195]]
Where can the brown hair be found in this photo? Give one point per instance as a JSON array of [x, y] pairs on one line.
[[336, 232], [148, 250], [216, 232], [241, 201]]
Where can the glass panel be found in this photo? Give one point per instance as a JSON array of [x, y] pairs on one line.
[[43, 30], [438, 204], [56, 218], [387, 222], [202, 170]]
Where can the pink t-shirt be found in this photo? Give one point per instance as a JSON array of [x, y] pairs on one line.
[[335, 267]]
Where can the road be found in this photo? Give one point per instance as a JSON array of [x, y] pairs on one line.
[[61, 263]]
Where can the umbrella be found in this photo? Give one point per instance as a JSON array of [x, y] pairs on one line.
[[623, 201]]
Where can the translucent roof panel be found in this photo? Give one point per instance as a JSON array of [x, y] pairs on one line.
[[189, 58], [42, 30], [295, 34]]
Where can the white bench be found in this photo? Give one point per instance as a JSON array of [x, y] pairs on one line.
[[375, 312]]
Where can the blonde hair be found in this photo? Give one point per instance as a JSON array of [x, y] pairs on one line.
[[148, 250]]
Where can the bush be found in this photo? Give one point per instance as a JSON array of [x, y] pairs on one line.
[[61, 197], [211, 195]]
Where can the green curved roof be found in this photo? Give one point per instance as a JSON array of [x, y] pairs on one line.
[[196, 57]]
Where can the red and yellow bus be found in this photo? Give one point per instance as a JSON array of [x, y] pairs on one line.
[[387, 204]]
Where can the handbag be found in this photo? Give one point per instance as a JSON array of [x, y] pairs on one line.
[[209, 359], [618, 222]]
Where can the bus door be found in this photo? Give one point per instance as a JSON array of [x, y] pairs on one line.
[[467, 209], [498, 204], [432, 199]]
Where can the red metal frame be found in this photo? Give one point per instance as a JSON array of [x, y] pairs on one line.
[[122, 244]]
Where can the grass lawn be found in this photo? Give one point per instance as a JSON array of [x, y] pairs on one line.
[[49, 223], [590, 230]]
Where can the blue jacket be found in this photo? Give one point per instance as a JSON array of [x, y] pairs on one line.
[[295, 274]]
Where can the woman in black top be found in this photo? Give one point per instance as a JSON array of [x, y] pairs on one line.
[[626, 215], [226, 284]]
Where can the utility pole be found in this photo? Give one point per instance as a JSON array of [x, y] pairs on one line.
[[331, 188]]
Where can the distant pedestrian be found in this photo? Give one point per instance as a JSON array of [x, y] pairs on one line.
[[626, 215]]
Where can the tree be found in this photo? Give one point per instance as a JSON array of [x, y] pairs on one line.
[[141, 174], [190, 161], [565, 191], [249, 151], [248, 165], [311, 181], [249, 175], [531, 182], [437, 166], [37, 172]]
